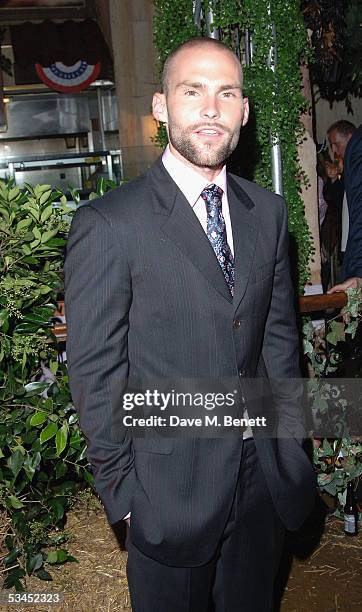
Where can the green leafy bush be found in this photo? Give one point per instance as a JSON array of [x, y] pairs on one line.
[[42, 452], [336, 461]]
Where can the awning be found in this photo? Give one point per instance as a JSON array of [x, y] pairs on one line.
[[65, 56]]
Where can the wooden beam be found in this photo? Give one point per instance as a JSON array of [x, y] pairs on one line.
[[322, 301]]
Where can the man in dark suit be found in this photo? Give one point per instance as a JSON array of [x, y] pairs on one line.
[[183, 273], [346, 142]]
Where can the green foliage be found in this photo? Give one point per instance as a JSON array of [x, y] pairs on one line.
[[103, 185], [278, 104], [274, 95], [42, 456], [173, 24], [336, 461], [323, 358]]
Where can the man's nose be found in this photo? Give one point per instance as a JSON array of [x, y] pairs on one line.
[[210, 108]]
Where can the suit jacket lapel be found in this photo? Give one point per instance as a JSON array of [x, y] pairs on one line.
[[184, 229], [182, 226], [245, 232]]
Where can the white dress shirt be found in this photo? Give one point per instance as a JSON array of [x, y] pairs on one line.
[[345, 223]]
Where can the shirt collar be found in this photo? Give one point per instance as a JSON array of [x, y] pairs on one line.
[[190, 182]]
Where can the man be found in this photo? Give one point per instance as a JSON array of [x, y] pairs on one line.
[[183, 273], [346, 145]]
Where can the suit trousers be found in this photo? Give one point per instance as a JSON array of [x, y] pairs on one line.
[[240, 576]]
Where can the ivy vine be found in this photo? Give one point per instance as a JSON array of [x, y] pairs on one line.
[[338, 459], [275, 96]]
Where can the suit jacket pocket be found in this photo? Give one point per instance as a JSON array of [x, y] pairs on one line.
[[160, 446]]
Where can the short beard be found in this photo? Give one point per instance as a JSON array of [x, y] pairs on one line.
[[206, 156]]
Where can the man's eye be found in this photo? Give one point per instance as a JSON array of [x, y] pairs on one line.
[[228, 94], [191, 92]]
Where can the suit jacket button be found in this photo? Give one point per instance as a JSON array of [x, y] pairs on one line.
[[242, 373], [236, 323]]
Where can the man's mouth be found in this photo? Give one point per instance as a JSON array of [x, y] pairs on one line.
[[208, 131]]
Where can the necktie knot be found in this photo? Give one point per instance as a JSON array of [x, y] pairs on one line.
[[212, 196]]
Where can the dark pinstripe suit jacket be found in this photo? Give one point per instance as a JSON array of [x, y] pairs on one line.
[[352, 260], [145, 298]]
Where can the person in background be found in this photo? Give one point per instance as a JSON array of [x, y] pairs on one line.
[[346, 143], [322, 204], [330, 198]]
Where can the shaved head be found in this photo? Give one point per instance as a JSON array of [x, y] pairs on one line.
[[194, 43]]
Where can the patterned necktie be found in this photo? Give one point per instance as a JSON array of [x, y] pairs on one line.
[[216, 232]]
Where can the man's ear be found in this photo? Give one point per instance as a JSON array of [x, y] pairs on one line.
[[246, 112], [159, 108]]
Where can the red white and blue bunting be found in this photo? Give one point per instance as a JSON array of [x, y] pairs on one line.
[[68, 79]]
